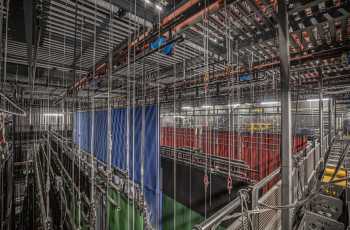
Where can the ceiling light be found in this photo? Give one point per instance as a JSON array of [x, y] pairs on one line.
[[147, 1], [234, 105], [53, 114], [317, 99], [159, 7], [207, 106], [177, 116], [269, 103], [187, 108]]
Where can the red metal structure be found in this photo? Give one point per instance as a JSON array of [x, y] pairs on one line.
[[261, 151]]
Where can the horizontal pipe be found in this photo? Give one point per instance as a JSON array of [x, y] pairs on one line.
[[102, 68], [178, 11]]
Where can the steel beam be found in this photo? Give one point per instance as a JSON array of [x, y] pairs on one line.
[[286, 134]]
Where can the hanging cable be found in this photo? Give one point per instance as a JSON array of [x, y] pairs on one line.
[[79, 107], [206, 85], [128, 98], [6, 40], [133, 122], [92, 141], [157, 226], [48, 218], [175, 145], [228, 56], [109, 114]]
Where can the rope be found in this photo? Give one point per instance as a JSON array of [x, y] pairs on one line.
[[109, 114], [206, 85], [92, 147], [175, 146], [79, 106]]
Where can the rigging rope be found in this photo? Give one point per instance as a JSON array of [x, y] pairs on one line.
[[109, 114], [79, 107], [92, 147], [206, 80]]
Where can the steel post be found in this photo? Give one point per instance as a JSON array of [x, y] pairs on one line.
[[320, 110], [286, 137], [335, 118], [330, 123]]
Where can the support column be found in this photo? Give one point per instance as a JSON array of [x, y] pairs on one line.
[[286, 134], [320, 110], [335, 117], [330, 123]]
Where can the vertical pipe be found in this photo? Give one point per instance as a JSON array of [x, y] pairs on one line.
[[335, 117], [330, 125], [286, 165], [320, 110]]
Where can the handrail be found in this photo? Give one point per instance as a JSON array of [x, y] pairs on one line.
[[219, 215]]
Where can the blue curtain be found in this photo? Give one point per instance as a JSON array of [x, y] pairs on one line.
[[120, 138]]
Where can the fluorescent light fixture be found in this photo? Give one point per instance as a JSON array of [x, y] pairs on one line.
[[177, 116], [147, 1], [269, 103], [53, 114], [207, 106], [159, 7], [187, 108], [316, 99], [234, 105]]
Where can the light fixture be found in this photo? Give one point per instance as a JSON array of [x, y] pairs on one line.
[[234, 105], [269, 103], [159, 7], [177, 116], [207, 106], [187, 108], [147, 1], [316, 99], [53, 114]]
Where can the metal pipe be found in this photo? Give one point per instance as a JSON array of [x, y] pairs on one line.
[[213, 7], [178, 11], [219, 215], [335, 117], [321, 117], [286, 132], [330, 125], [194, 18]]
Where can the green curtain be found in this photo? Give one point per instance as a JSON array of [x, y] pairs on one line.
[[126, 216], [178, 217]]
